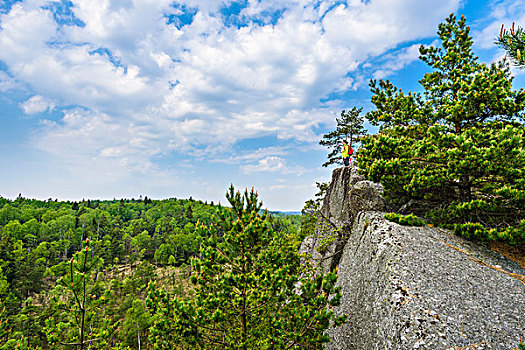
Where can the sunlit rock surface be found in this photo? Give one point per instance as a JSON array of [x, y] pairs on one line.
[[412, 287]]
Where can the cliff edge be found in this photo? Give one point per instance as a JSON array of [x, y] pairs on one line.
[[412, 287]]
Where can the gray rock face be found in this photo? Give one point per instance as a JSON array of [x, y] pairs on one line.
[[347, 195], [336, 205], [366, 196], [412, 287]]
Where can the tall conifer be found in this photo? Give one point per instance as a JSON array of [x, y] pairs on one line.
[[460, 144], [252, 289]]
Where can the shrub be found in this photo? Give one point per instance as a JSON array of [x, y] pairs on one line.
[[405, 220]]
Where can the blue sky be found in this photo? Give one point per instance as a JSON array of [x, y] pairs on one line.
[[160, 98]]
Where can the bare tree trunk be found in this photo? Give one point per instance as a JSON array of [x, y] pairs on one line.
[[83, 315], [243, 310], [138, 335], [465, 192], [81, 237]]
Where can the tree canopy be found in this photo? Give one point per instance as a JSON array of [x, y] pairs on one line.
[[459, 144], [252, 289], [42, 245]]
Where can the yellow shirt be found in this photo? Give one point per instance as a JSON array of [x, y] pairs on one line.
[[346, 149]]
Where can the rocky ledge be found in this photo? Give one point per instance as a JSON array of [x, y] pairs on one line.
[[412, 287]]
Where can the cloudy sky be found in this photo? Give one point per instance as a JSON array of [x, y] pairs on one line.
[[160, 98]]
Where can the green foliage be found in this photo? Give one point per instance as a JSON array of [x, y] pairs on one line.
[[252, 291], [349, 127], [473, 230], [459, 144], [311, 214], [38, 239], [133, 242], [513, 41], [477, 231], [78, 322], [4, 325], [309, 218], [136, 324], [326, 241], [283, 221], [406, 220]]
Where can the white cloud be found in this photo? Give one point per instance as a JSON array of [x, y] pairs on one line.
[[273, 164], [7, 83], [268, 164], [147, 89], [503, 12], [253, 155], [371, 27], [37, 104], [63, 68], [96, 143], [398, 61], [229, 82]]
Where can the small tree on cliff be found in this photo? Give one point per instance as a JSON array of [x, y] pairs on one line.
[[460, 144], [513, 41], [349, 127], [252, 289], [311, 213]]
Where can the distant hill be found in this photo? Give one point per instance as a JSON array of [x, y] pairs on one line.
[[284, 213]]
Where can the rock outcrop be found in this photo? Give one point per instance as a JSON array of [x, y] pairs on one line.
[[412, 287]]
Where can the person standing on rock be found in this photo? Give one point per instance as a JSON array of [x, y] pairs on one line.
[[347, 152]]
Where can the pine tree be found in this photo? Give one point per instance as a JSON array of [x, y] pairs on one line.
[[459, 144], [513, 41], [252, 290], [349, 127], [78, 305]]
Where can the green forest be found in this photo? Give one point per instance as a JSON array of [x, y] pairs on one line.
[[124, 245]]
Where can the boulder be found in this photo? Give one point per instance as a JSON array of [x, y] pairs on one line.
[[336, 204], [366, 196]]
